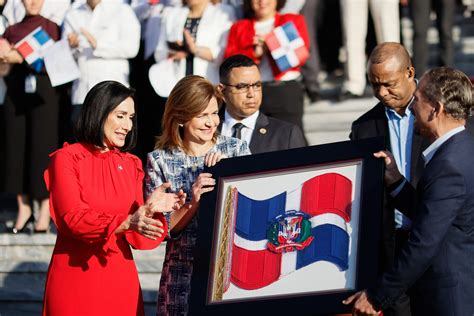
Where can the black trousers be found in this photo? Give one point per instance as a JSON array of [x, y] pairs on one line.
[[420, 12], [284, 100], [31, 134]]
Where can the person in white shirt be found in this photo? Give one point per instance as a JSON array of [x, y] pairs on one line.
[[194, 37], [53, 10], [104, 34]]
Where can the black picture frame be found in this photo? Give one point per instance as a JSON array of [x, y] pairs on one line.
[[291, 162]]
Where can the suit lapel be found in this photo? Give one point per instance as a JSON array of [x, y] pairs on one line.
[[381, 124], [417, 164], [258, 138]]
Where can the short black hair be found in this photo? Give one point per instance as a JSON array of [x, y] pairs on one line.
[[232, 62], [248, 11], [100, 101]]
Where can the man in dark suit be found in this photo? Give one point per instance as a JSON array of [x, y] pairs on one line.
[[393, 81], [437, 260], [241, 87]]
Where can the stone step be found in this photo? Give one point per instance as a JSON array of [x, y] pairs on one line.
[[24, 261], [329, 122], [318, 138], [35, 308], [29, 286], [355, 105], [23, 286], [23, 309], [333, 120]]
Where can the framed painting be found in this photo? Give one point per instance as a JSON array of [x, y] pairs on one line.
[[289, 231]]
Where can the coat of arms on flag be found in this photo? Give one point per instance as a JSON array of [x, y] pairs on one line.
[[270, 239], [33, 46], [287, 47]]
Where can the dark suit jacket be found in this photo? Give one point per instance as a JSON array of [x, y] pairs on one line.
[[271, 134], [438, 258], [372, 124]]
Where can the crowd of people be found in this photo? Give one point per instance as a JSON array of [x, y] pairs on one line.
[[193, 82]]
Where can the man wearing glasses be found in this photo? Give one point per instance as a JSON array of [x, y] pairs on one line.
[[241, 86]]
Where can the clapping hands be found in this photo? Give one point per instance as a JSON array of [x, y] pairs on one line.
[[160, 201]]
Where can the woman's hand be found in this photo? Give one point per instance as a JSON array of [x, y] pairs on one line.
[[142, 224], [198, 51], [160, 201], [12, 57], [259, 46], [204, 183], [73, 40], [189, 42], [90, 38], [212, 158]]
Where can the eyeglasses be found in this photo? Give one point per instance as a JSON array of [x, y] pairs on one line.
[[245, 87]]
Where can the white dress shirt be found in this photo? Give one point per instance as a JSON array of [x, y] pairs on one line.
[[429, 152], [401, 139], [117, 32], [248, 122]]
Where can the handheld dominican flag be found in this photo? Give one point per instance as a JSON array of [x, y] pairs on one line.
[[32, 47], [277, 236], [287, 47]]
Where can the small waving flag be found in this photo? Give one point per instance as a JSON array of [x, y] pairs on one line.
[[279, 235], [32, 47], [287, 47]]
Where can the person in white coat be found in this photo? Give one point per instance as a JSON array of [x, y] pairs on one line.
[[193, 37], [104, 34]]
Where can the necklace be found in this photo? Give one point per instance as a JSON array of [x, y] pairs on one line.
[[192, 25]]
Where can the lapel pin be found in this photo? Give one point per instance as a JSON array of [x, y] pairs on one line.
[[263, 131]]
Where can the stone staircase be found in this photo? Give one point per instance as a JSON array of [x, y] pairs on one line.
[[327, 121], [24, 260]]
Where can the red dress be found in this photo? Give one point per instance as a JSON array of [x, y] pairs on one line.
[[92, 271]]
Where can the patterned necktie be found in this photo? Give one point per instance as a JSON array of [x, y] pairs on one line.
[[237, 130]]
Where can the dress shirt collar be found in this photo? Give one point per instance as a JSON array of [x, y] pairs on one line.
[[249, 121], [431, 150], [392, 113]]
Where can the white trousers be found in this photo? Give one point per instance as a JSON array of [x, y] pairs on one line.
[[354, 15]]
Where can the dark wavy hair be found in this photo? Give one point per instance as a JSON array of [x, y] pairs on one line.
[[100, 101], [248, 11]]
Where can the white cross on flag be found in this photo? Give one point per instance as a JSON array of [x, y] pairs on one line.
[[287, 46]]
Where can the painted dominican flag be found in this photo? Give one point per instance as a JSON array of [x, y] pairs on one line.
[[32, 47], [287, 47], [294, 229]]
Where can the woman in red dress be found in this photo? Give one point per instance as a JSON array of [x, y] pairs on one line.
[[97, 206], [282, 89]]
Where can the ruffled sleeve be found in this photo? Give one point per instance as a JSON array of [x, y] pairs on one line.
[[135, 239], [71, 214]]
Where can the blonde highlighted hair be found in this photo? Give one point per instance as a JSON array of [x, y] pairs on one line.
[[189, 98]]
